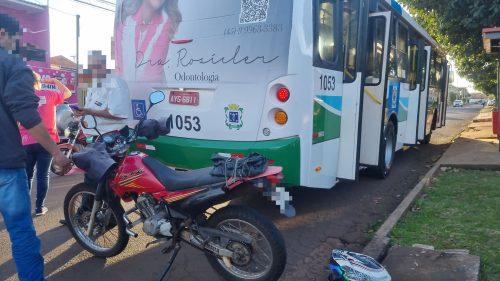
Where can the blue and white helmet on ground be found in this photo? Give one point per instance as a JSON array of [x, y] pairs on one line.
[[349, 266]]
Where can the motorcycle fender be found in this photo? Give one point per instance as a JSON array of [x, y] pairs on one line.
[[272, 173]]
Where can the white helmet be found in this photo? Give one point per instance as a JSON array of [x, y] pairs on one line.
[[349, 266]]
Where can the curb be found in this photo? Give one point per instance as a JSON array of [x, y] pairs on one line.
[[378, 246], [380, 243]]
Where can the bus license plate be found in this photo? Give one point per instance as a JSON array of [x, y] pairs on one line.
[[184, 98]]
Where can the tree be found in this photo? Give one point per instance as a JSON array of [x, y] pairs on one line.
[[457, 27]]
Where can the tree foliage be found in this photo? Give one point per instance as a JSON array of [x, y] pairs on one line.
[[457, 26]]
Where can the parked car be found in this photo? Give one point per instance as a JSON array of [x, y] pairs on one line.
[[491, 103], [458, 103]]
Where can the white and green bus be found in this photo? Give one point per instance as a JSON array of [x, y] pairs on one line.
[[320, 87]]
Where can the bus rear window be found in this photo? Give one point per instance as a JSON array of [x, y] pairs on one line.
[[327, 37]]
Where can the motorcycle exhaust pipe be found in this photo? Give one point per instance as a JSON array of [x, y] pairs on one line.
[[131, 233], [129, 224]]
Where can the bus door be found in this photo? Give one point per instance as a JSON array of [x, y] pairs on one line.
[[375, 87], [413, 105], [355, 19], [424, 127]]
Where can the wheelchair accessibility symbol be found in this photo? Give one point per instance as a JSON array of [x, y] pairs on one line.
[[139, 109]]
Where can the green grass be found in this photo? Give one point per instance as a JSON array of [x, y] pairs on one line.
[[460, 210]]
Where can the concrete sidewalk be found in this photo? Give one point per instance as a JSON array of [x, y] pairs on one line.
[[475, 148]]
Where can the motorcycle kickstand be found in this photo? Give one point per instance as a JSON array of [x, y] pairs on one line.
[[176, 249]]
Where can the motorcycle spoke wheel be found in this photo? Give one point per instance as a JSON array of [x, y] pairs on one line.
[[263, 259], [108, 237], [103, 237], [261, 255]]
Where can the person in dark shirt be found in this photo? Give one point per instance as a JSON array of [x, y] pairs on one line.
[[18, 104]]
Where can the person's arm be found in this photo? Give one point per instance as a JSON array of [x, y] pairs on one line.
[[40, 133], [62, 88], [22, 103], [118, 104], [19, 93], [100, 113]]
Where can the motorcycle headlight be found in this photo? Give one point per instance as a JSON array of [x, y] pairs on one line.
[[67, 132]]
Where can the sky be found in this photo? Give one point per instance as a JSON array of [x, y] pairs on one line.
[[96, 29]]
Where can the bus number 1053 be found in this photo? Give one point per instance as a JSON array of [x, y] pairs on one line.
[[327, 82], [185, 122]]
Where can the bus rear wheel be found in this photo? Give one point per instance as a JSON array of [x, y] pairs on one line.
[[388, 151], [427, 139]]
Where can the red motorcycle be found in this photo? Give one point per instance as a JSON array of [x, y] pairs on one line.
[[172, 206]]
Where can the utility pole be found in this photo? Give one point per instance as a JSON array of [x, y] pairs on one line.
[[498, 97], [77, 54]]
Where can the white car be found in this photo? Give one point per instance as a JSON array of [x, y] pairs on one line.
[[458, 103], [491, 102]]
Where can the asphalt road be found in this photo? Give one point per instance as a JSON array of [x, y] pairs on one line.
[[343, 217]]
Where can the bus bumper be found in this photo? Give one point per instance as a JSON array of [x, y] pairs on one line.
[[187, 153]]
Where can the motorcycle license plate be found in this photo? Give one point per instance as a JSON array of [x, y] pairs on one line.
[[184, 98]]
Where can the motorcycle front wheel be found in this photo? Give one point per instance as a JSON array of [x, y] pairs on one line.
[[263, 260], [108, 237]]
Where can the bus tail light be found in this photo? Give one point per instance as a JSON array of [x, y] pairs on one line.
[[281, 117], [283, 94]]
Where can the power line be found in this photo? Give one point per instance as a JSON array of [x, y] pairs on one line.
[[95, 6], [107, 2], [61, 11]]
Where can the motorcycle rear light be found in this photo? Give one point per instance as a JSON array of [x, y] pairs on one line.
[[140, 146], [237, 155], [271, 162], [283, 94], [281, 117], [275, 179]]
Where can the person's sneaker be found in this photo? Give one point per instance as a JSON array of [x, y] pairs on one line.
[[42, 211]]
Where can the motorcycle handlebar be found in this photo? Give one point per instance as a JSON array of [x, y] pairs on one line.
[[152, 129]]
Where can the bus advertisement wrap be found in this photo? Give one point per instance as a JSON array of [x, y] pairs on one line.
[[323, 88]]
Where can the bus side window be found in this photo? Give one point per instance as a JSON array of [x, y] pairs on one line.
[[375, 50], [432, 78], [393, 65], [402, 51], [351, 21], [328, 34], [423, 70], [412, 79]]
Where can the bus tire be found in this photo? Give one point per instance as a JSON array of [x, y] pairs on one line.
[[388, 151], [427, 139]]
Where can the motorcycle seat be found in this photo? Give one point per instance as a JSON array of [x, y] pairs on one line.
[[174, 180]]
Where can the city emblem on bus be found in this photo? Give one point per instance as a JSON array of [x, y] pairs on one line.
[[234, 116]]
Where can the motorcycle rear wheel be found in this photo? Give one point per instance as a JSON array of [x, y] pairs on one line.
[[109, 236], [264, 260]]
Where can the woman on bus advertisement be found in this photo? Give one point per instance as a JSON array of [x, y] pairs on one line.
[[144, 29]]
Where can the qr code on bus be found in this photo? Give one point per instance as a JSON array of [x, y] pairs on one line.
[[253, 11]]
